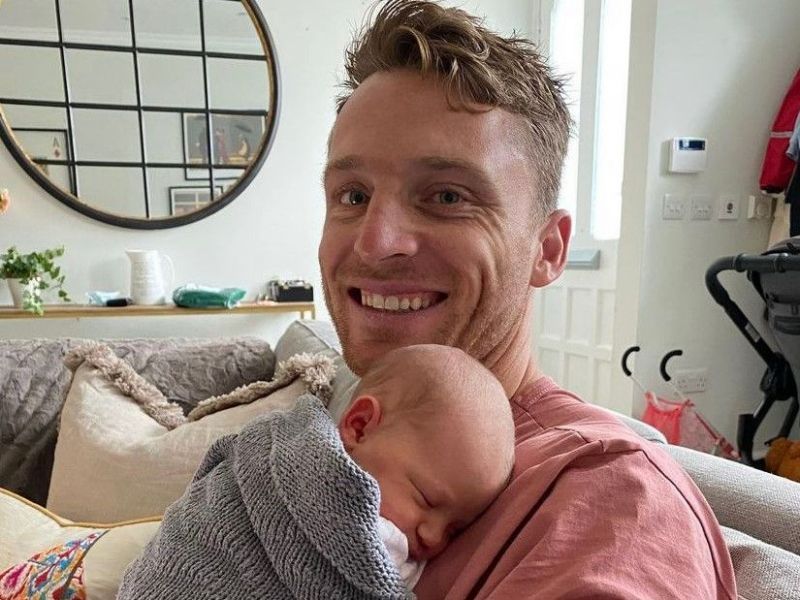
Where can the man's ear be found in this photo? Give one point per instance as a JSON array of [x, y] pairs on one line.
[[360, 419], [553, 243]]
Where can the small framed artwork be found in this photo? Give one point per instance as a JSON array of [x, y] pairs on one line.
[[48, 144], [236, 139], [187, 199]]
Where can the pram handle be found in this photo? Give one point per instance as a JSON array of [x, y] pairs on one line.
[[663, 366], [771, 263], [625, 355]]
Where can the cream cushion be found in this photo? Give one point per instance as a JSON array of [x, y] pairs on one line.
[[29, 528], [319, 337], [114, 463]]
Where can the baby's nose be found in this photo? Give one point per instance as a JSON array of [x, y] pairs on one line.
[[433, 536]]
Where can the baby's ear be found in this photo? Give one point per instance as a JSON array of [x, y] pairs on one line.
[[360, 419]]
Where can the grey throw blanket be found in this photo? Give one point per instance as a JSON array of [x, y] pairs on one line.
[[277, 511]]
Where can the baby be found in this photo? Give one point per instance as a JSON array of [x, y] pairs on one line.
[[294, 507]]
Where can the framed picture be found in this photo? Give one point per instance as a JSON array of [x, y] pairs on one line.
[[187, 199], [236, 139], [48, 144]]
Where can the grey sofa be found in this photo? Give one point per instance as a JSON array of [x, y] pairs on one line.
[[760, 513]]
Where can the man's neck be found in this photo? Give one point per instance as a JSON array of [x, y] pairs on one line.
[[513, 362]]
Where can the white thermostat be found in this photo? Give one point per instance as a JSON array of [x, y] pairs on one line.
[[687, 155]]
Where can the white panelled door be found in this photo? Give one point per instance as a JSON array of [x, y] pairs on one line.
[[574, 328], [574, 318]]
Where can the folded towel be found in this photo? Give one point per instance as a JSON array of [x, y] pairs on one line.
[[197, 296]]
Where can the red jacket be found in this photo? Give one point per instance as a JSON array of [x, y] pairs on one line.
[[778, 168]]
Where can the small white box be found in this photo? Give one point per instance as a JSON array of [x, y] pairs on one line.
[[687, 155]]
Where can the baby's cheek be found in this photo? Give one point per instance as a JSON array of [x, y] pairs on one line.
[[396, 512]]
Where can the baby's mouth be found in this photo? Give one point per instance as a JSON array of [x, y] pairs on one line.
[[397, 303]]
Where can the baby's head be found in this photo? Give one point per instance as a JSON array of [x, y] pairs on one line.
[[433, 427]]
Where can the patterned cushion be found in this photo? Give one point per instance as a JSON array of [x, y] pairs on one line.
[[53, 573], [81, 560]]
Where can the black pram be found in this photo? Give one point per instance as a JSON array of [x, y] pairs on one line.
[[776, 276]]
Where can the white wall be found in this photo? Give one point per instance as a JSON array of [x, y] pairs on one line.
[[272, 228], [720, 70]]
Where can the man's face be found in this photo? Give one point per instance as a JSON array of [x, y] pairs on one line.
[[429, 233]]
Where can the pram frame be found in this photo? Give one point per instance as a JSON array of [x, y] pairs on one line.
[[778, 383]]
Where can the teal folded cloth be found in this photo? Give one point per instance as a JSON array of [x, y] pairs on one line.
[[198, 296]]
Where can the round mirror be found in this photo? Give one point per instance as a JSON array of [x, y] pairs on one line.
[[140, 113]]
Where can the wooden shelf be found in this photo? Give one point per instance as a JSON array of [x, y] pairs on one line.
[[83, 311]]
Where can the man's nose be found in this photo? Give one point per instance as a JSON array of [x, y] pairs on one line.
[[386, 230]]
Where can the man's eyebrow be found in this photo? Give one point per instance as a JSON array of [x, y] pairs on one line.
[[443, 163], [429, 163], [344, 163]]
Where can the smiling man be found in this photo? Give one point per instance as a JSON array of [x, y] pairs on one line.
[[441, 189]]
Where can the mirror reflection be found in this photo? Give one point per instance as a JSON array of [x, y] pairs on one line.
[[144, 111]]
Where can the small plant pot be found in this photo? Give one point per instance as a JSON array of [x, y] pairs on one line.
[[16, 288]]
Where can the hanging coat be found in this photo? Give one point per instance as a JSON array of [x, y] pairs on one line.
[[777, 169]]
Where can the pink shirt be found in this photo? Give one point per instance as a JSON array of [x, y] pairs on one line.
[[592, 511]]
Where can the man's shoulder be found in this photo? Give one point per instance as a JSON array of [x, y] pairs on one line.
[[588, 500], [555, 425], [587, 450]]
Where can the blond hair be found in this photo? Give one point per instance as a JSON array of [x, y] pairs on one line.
[[476, 66]]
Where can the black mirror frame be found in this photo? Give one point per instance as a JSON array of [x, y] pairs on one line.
[[7, 135]]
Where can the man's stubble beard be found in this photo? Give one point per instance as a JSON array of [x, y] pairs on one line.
[[482, 334]]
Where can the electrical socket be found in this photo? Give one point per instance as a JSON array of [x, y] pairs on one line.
[[759, 207], [728, 208], [691, 381]]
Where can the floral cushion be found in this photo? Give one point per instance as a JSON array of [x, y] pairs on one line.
[[54, 573], [82, 560]]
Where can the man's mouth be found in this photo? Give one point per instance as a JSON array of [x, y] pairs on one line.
[[403, 302]]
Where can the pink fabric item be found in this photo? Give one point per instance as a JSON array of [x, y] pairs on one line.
[[592, 511], [683, 425]]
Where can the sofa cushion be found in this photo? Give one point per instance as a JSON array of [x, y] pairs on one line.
[[763, 571], [29, 529], [114, 462], [320, 337], [35, 384], [759, 504]]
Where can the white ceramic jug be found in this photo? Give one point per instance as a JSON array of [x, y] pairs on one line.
[[148, 270]]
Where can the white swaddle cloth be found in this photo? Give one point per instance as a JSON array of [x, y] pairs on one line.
[[397, 545]]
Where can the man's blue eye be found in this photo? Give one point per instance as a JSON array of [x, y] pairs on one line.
[[353, 197], [448, 197]]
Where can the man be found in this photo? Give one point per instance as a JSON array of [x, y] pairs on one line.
[[441, 189]]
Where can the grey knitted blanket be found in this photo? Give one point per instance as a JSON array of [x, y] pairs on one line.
[[277, 511]]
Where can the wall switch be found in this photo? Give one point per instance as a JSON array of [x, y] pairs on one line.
[[728, 208], [759, 207], [691, 381], [700, 208], [674, 207]]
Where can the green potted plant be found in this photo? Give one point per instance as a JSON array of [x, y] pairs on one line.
[[29, 275]]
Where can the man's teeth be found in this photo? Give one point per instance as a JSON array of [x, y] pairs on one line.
[[395, 303]]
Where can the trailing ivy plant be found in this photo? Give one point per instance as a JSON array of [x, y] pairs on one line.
[[37, 273]]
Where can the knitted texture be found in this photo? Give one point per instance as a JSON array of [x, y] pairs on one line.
[[276, 511]]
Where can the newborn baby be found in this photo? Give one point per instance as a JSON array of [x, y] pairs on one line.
[[292, 508]]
